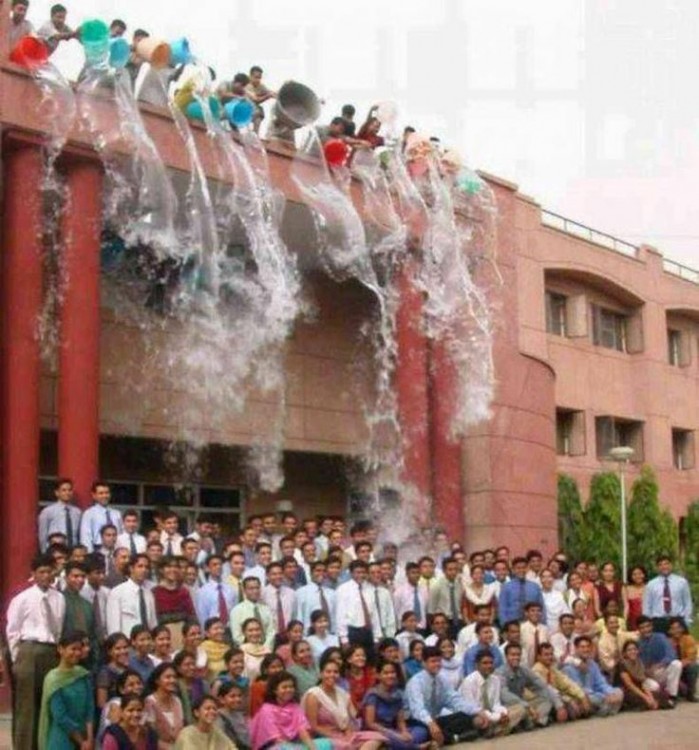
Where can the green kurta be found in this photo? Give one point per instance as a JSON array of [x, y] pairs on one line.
[[67, 705]]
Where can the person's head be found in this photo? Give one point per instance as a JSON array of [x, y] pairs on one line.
[[235, 661], [154, 551], [485, 663], [70, 648], [575, 580], [519, 567], [141, 641], [290, 568], [58, 15], [511, 631], [348, 111], [129, 683], [117, 28], [644, 625], [139, 35], [162, 642], [532, 612], [100, 490], [446, 648], [432, 659], [131, 522], [63, 488], [513, 655], [320, 622], [191, 574], [108, 535], [237, 563], [139, 567], [75, 577], [485, 633], [275, 574], [185, 665], [638, 575], [131, 712], [329, 672], [171, 523], [478, 573], [363, 551], [214, 629], [252, 588], [440, 625], [484, 613], [94, 569], [169, 569], [256, 73], [409, 621], [336, 129], [579, 608], [664, 564], [566, 623], [205, 711], [359, 571], [450, 568], [281, 689], [43, 570], [191, 636], [263, 553], [308, 551], [608, 572], [372, 126], [412, 573], [592, 572], [231, 696], [214, 567], [116, 647], [271, 664], [545, 654], [501, 570], [612, 623], [333, 568], [676, 628], [629, 651], [255, 522], [333, 653], [252, 631], [302, 654], [317, 572], [427, 567], [535, 560], [19, 10], [416, 649], [387, 674], [190, 549], [503, 553], [547, 579], [388, 650], [355, 657], [269, 520]]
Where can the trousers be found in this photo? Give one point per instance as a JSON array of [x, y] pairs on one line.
[[34, 661]]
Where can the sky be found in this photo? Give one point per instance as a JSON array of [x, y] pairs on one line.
[[590, 106]]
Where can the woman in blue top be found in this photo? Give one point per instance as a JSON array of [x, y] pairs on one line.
[[413, 664], [384, 712]]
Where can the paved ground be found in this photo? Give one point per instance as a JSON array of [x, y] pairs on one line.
[[672, 730]]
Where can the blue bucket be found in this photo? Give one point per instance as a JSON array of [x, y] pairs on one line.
[[194, 110], [239, 112], [179, 52], [119, 52]]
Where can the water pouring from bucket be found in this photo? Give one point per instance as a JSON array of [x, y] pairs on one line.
[[239, 112], [94, 37], [297, 106], [30, 53], [119, 52]]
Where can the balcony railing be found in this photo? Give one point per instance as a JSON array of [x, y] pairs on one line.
[[555, 221], [684, 272]]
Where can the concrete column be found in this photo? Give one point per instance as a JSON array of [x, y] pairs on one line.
[[79, 365], [21, 304]]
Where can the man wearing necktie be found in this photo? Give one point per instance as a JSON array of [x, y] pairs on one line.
[[130, 539], [130, 603], [78, 614], [61, 517], [383, 602], [170, 537], [667, 595], [357, 618], [280, 599], [446, 596], [98, 515]]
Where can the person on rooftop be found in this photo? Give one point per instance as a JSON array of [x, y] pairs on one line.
[[117, 28], [19, 25], [56, 30], [258, 94]]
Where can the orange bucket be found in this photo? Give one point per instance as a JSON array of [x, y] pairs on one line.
[[155, 51]]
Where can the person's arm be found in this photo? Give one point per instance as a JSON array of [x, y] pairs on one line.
[[687, 606], [595, 603], [341, 617], [305, 737], [61, 717], [631, 686], [44, 528], [370, 721], [647, 599]]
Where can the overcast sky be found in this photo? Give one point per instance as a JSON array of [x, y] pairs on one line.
[[591, 106]]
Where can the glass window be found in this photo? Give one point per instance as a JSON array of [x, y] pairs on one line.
[[612, 432], [556, 314], [223, 498], [609, 328], [674, 347], [683, 449]]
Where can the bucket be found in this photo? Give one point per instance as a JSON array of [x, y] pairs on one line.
[[194, 110], [179, 52], [239, 112], [29, 52], [94, 37], [155, 51], [119, 52], [336, 152]]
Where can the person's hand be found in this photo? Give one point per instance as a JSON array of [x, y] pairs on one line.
[[86, 745], [532, 713], [480, 720], [561, 714], [435, 732], [651, 702], [586, 706], [504, 719]]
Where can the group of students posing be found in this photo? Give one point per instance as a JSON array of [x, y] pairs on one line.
[[294, 633]]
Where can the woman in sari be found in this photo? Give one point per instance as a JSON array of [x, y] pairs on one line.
[[204, 734], [130, 733], [384, 712], [331, 713], [640, 692], [281, 722], [191, 688], [272, 664], [360, 676], [253, 647], [304, 669], [162, 708], [67, 701]]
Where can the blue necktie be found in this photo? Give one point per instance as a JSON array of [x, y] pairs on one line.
[[417, 607]]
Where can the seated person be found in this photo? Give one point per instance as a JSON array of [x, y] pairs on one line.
[[640, 692], [686, 649], [522, 687], [414, 664], [585, 672], [484, 689], [611, 608], [232, 717], [204, 732], [486, 638], [659, 658], [532, 632], [467, 635], [449, 718], [408, 633], [611, 640], [563, 641], [560, 685]]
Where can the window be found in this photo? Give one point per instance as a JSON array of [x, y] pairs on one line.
[[609, 328], [674, 347], [570, 432], [612, 432], [556, 314], [682, 449]]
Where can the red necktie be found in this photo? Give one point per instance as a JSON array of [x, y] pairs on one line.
[[667, 598], [222, 606]]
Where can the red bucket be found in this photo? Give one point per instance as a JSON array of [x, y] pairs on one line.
[[336, 152], [29, 52]]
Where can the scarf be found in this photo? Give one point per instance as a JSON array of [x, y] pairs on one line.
[[273, 724], [55, 680], [339, 708]]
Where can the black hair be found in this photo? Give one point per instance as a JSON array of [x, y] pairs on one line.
[[275, 681], [258, 69], [58, 8], [74, 636], [243, 79], [42, 561], [348, 110]]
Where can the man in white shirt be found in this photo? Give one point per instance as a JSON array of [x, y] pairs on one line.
[[382, 601], [357, 618], [131, 603], [468, 636], [263, 557], [280, 599], [170, 537], [56, 30], [98, 515], [316, 596], [563, 641], [61, 517], [483, 688], [532, 633], [130, 539], [411, 597], [34, 625]]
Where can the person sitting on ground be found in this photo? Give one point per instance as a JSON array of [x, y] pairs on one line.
[[532, 632], [467, 635], [232, 717], [641, 693], [484, 688], [319, 637], [389, 650], [56, 30], [414, 663], [659, 658], [293, 634], [359, 674], [452, 666], [252, 607], [610, 643], [141, 646], [215, 647], [130, 731], [162, 645], [686, 649], [116, 648], [564, 692], [129, 683], [611, 608], [191, 687], [253, 647], [408, 633], [585, 672], [204, 733], [234, 671], [523, 687]]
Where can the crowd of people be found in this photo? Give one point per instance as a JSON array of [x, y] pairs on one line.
[[320, 634]]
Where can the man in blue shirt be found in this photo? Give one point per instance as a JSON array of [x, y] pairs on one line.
[[486, 637], [585, 671], [428, 695], [61, 517], [667, 595], [97, 516], [215, 598], [659, 657], [517, 592]]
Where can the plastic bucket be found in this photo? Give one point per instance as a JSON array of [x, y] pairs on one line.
[[94, 36], [195, 112], [155, 51], [239, 112], [29, 52], [119, 52], [179, 52], [336, 152]]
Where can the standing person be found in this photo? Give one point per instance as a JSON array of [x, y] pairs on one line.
[[67, 702], [667, 595], [162, 708], [131, 603], [523, 687], [19, 25], [555, 604], [79, 616], [315, 596], [280, 599], [517, 592], [446, 597], [173, 602], [130, 732], [258, 94], [95, 594], [61, 516], [357, 618], [608, 589], [56, 30], [633, 596], [216, 598], [585, 672], [686, 649], [98, 515], [411, 597], [477, 592], [130, 539], [659, 658], [532, 633], [319, 636], [382, 601], [347, 114], [170, 537], [252, 607]]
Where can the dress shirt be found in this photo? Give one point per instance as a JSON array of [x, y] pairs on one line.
[[123, 608], [473, 688], [404, 601], [92, 521], [384, 609], [555, 606], [440, 599], [529, 640], [256, 571], [350, 612], [680, 598], [175, 541], [124, 542], [288, 597], [656, 649], [52, 520], [468, 637], [427, 697], [102, 594], [469, 660], [514, 595], [308, 601], [27, 618], [609, 648], [559, 684], [319, 645], [591, 679], [246, 609], [206, 601], [516, 681], [563, 648], [207, 546]]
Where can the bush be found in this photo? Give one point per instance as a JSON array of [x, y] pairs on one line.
[[603, 520], [571, 521], [691, 557]]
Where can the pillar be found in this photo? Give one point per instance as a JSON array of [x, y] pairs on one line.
[[446, 453], [411, 388], [21, 305], [79, 362]]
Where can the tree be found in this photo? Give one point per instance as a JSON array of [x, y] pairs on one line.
[[691, 546], [651, 529], [603, 520], [571, 518]]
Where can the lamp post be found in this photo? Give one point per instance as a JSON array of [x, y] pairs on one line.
[[622, 454]]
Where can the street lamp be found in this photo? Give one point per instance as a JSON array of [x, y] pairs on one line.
[[622, 454]]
